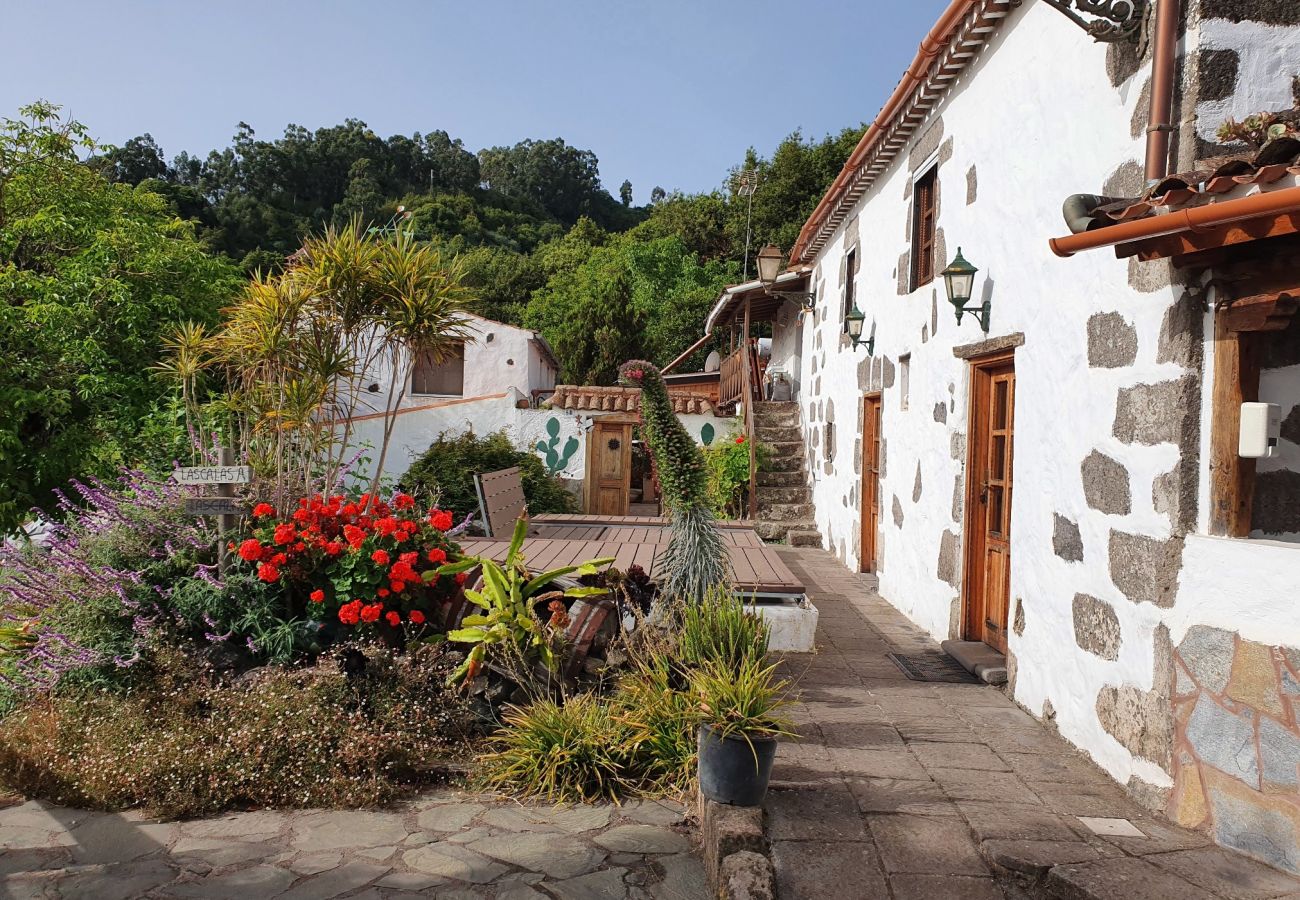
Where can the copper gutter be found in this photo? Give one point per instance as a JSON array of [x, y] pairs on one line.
[[1162, 89], [935, 42], [1196, 218]]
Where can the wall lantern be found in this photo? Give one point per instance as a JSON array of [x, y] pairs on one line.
[[959, 280], [853, 323], [769, 263]]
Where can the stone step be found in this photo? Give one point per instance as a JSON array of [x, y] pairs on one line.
[[979, 659], [797, 493], [783, 414], [803, 537], [781, 479], [786, 462], [772, 434], [786, 512], [770, 530]]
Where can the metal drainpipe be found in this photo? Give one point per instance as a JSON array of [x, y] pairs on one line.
[[1162, 89]]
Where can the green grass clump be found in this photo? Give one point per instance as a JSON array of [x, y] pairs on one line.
[[718, 629]]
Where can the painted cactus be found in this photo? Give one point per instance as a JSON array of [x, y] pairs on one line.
[[556, 460]]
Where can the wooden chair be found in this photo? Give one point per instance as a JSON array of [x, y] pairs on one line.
[[501, 501]]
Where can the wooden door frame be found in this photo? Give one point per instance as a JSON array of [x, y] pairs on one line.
[[970, 630], [629, 422], [872, 535]]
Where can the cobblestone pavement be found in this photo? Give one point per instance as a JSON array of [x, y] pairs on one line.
[[445, 845], [909, 789]]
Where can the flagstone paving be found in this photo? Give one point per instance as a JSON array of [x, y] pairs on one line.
[[446, 844], [908, 789]]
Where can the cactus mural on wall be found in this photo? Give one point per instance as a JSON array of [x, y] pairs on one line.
[[556, 460]]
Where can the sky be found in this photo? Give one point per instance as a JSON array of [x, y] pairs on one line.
[[665, 92]]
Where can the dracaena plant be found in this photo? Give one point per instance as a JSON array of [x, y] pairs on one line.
[[508, 626]]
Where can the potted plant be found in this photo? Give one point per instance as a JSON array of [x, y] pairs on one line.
[[739, 729]]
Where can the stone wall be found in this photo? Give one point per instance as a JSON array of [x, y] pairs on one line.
[[1237, 745]]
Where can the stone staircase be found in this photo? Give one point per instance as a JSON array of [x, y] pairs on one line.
[[785, 509]]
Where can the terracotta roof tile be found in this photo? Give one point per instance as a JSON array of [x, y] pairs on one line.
[[1278, 159], [591, 398]]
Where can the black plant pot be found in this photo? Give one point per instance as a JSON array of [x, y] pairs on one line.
[[734, 770]]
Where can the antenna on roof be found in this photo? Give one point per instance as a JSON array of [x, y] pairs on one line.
[[746, 182]]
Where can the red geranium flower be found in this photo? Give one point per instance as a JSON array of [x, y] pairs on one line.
[[333, 548], [383, 592], [440, 519], [318, 596], [393, 619], [380, 557], [462, 577], [417, 617], [370, 612], [385, 526], [403, 501], [250, 550], [437, 555], [354, 535], [285, 533], [268, 572], [279, 559], [397, 586], [350, 613], [263, 509], [740, 440]]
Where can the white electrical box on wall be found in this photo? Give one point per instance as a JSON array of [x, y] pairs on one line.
[[1261, 426]]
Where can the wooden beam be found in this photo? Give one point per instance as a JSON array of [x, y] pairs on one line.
[[1184, 242], [1236, 381], [1262, 312]]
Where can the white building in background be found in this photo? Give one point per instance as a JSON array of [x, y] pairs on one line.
[[1062, 486]]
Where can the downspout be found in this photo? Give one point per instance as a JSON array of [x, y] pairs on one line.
[[1163, 69]]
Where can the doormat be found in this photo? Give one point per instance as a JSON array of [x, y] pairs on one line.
[[933, 665]]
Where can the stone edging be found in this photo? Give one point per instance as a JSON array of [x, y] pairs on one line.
[[736, 851]]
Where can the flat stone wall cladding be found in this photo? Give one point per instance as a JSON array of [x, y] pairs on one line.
[[1237, 745]]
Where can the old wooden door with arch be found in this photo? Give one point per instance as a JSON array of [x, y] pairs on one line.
[[987, 581], [870, 500]]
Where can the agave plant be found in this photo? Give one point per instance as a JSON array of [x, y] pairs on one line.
[[508, 626]]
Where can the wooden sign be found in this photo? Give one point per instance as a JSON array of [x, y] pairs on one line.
[[214, 506], [213, 475]]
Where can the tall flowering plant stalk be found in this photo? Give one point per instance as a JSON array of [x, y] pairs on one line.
[[115, 552], [695, 559], [362, 566]]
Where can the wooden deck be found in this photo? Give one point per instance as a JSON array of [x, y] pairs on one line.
[[643, 521], [757, 568]]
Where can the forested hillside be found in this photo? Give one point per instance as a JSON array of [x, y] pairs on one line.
[[545, 243]]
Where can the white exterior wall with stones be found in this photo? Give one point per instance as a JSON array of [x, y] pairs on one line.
[[1109, 473]]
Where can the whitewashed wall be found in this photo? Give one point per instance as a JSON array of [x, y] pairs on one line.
[[1038, 120]]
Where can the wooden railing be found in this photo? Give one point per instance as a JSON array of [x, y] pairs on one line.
[[731, 380]]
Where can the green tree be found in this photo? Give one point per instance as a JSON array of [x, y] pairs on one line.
[[625, 193], [92, 275]]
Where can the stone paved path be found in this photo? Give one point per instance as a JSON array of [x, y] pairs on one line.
[[907, 789], [445, 845]]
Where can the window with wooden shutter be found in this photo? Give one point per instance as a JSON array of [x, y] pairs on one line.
[[923, 228], [446, 378]]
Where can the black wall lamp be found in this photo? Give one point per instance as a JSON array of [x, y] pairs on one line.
[[769, 267], [959, 281], [853, 323]]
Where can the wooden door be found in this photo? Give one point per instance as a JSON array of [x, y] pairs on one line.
[[987, 582], [609, 468], [870, 481]]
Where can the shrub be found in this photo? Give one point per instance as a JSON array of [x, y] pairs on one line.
[[565, 752], [727, 462], [183, 744], [661, 720], [743, 702], [718, 629], [94, 596], [359, 566], [445, 474]]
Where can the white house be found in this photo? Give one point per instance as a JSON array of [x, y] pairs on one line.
[[1063, 484]]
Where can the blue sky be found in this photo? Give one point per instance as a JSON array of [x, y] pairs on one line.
[[665, 93]]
